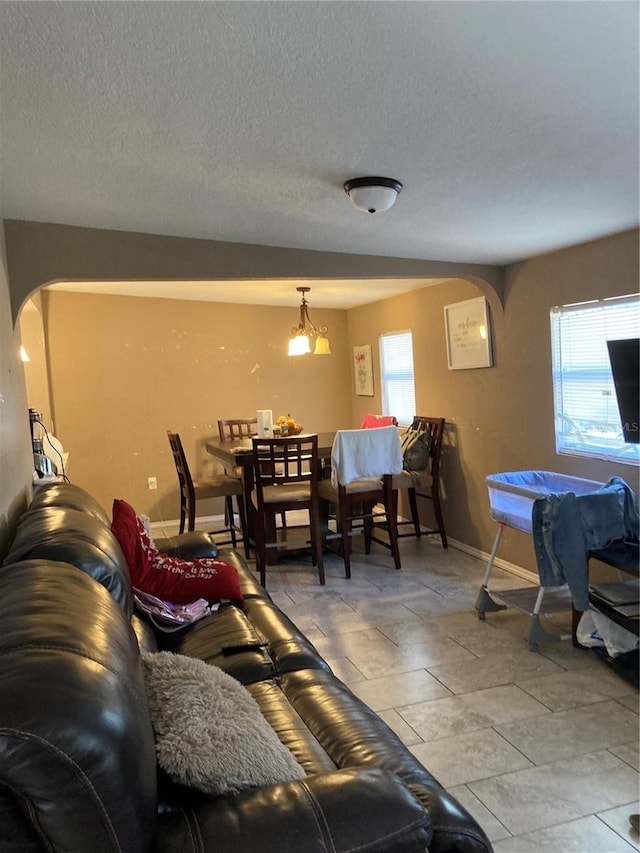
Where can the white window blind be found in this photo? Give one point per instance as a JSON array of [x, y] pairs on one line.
[[396, 369], [587, 421]]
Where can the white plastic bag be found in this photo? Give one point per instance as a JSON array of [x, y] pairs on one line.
[[586, 632], [596, 629]]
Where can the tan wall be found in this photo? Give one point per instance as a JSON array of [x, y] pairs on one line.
[[499, 418], [124, 370], [42, 253], [36, 372], [16, 460]]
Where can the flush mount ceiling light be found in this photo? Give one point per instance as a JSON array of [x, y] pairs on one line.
[[373, 194], [305, 332]]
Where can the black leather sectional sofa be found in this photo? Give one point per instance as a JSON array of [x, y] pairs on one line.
[[78, 769]]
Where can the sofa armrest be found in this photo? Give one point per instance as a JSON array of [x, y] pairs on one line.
[[188, 546], [77, 750], [368, 810]]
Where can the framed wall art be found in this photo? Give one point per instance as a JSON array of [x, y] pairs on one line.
[[468, 334], [363, 370]]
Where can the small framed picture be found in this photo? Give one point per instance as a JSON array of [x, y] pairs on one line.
[[363, 370], [468, 334]]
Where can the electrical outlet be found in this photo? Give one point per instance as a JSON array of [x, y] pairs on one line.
[[153, 482]]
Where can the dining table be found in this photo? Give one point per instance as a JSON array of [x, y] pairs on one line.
[[238, 453]]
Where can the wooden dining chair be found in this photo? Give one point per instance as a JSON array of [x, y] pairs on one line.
[[363, 462], [286, 479], [424, 483], [231, 429], [216, 486], [234, 428]]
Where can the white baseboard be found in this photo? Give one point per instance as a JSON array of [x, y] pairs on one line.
[[520, 572], [512, 568], [202, 522]]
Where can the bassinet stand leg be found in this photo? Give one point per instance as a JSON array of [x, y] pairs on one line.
[[537, 634], [484, 603]]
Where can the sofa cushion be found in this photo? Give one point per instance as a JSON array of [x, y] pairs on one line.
[[70, 496], [252, 643], [210, 732], [227, 640], [170, 578], [73, 536], [286, 645]]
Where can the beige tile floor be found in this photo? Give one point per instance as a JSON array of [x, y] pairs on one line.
[[542, 748]]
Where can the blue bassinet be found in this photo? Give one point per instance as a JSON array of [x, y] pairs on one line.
[[511, 497]]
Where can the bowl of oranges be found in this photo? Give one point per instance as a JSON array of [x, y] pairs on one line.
[[288, 425]]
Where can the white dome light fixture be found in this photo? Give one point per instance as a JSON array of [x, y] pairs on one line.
[[373, 194]]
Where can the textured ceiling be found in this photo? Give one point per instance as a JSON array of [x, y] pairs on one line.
[[513, 125], [329, 293]]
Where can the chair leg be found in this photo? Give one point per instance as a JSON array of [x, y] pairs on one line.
[[183, 518], [392, 527], [415, 516], [229, 513], [345, 529], [435, 496], [367, 522], [261, 549], [191, 516], [316, 540]]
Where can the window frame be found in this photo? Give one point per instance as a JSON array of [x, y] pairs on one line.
[[403, 416], [586, 416]]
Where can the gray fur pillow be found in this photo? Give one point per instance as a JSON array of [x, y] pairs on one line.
[[210, 731]]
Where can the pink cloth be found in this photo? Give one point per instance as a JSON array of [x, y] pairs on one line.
[[373, 421]]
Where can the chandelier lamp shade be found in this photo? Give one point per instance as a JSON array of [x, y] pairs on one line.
[[373, 194], [305, 332]]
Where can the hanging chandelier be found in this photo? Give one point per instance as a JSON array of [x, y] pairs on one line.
[[305, 332]]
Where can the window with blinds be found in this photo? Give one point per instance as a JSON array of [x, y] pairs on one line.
[[587, 420], [396, 370]]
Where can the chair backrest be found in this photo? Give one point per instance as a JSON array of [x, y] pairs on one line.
[[230, 429], [182, 467], [359, 453], [290, 459], [374, 421], [435, 428]]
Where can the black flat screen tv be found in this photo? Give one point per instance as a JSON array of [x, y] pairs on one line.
[[624, 357]]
